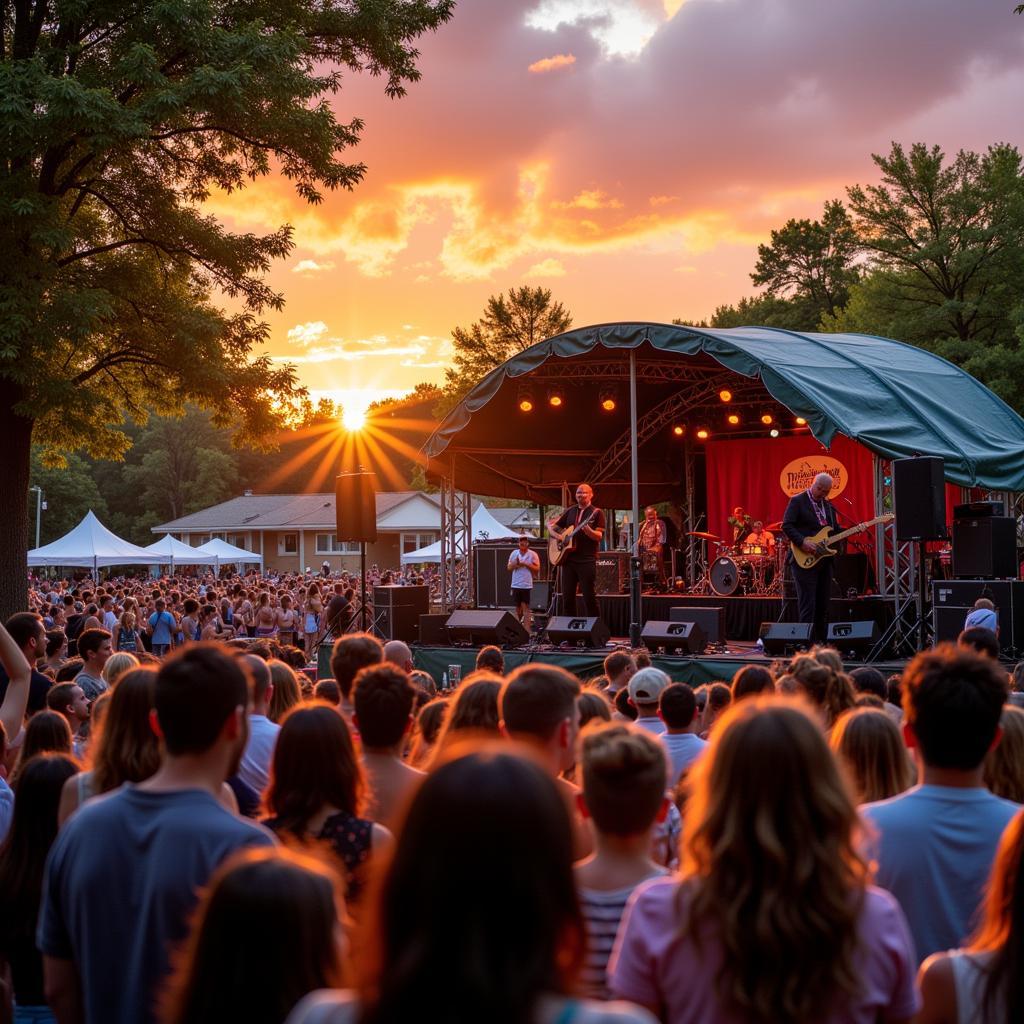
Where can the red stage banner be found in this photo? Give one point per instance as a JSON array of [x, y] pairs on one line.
[[762, 474]]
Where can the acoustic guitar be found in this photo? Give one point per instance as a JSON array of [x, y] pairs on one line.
[[826, 537], [559, 547]]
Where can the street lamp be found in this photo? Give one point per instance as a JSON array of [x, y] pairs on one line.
[[40, 505]]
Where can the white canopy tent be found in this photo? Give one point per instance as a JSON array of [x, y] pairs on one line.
[[228, 553], [177, 553], [484, 527], [91, 545]]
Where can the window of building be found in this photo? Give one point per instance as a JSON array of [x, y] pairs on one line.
[[239, 540], [288, 544], [328, 544], [415, 541]]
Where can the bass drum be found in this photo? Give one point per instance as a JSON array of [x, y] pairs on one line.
[[728, 575]]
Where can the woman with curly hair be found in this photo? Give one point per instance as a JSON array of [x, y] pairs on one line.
[[829, 690], [771, 917]]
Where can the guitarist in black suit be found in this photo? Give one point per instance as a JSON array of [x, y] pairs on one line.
[[806, 513], [579, 566]]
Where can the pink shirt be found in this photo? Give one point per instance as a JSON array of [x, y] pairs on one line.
[[653, 965]]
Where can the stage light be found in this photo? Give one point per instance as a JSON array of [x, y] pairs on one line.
[[774, 432], [525, 400], [725, 396], [733, 419], [609, 399], [703, 434], [801, 422], [556, 398], [766, 419], [678, 430]]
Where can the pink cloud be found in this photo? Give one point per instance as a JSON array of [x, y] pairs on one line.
[[560, 60]]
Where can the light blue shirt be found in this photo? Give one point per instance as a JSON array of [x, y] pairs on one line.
[[935, 848], [985, 618], [254, 769], [6, 808], [682, 749]]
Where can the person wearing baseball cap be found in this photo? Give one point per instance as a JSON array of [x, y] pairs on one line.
[[645, 689]]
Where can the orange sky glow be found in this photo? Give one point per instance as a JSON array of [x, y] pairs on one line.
[[627, 154]]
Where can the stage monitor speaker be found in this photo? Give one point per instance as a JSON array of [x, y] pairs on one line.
[[985, 548], [612, 572], [673, 637], [486, 627], [711, 620], [854, 639], [583, 631], [355, 507], [397, 611], [779, 638], [432, 629], [920, 498]]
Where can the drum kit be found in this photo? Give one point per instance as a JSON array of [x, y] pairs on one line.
[[750, 570]]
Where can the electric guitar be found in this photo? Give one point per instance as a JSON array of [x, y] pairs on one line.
[[826, 537], [559, 547]]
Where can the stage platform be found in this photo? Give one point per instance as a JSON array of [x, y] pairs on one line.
[[692, 669]]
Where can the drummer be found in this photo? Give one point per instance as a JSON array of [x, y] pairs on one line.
[[759, 541]]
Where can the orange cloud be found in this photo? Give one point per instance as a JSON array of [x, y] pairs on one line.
[[560, 60]]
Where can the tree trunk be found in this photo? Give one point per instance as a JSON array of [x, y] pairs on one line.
[[16, 432]]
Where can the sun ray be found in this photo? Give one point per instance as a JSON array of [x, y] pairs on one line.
[[298, 460], [328, 463]]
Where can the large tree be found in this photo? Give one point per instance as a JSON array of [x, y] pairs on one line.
[[508, 326], [811, 262], [120, 118]]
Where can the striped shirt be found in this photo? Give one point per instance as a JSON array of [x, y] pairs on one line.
[[602, 912]]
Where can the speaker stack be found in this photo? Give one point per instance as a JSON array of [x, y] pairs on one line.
[[953, 599], [611, 574], [710, 620], [492, 581], [920, 497], [580, 630], [984, 542], [397, 611]]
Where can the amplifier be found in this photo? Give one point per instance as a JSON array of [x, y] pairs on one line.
[[612, 572], [985, 547], [978, 509], [492, 582], [953, 599]]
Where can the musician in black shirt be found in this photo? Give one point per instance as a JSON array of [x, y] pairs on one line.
[[579, 565]]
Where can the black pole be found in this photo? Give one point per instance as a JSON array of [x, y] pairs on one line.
[[362, 580]]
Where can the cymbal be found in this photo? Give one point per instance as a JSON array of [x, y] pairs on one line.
[[774, 527], [704, 536]]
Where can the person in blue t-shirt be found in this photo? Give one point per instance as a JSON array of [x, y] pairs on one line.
[[935, 843], [162, 628], [123, 876]]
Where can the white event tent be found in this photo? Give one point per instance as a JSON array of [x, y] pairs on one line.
[[177, 553], [91, 545], [484, 527], [228, 553]]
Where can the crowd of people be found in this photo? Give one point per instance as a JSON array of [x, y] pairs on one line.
[[202, 831]]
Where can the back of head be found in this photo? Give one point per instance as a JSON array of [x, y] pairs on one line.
[[490, 659], [475, 706], [46, 731], [678, 706], [258, 669], [623, 706], [624, 772], [616, 663], [785, 840], [953, 699], [352, 653], [536, 699], [1004, 766], [828, 690], [327, 690], [828, 656], [314, 765], [287, 692], [383, 701], [69, 670], [751, 680], [979, 639], [116, 666], [869, 680], [398, 653], [594, 706], [253, 900], [126, 749], [434, 922], [198, 688], [870, 744], [646, 687]]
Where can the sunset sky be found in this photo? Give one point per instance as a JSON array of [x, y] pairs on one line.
[[627, 154]]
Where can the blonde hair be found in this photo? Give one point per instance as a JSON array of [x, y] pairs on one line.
[[1004, 766], [286, 689], [472, 712], [774, 853], [869, 743], [624, 774], [828, 690], [117, 665]]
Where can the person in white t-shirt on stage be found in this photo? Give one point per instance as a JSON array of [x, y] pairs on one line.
[[524, 564]]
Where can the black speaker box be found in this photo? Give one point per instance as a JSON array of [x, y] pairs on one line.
[[580, 630], [397, 611], [784, 637], [355, 506], [486, 627], [985, 548], [920, 498], [854, 639], [710, 620], [978, 509], [540, 596], [612, 572], [432, 629], [687, 637], [492, 581]]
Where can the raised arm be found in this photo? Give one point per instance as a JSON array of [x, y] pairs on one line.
[[12, 711]]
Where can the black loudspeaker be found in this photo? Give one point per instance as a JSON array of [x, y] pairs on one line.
[[486, 627], [854, 639], [953, 599], [674, 637], [397, 611], [710, 620], [785, 637], [920, 498], [579, 630], [432, 629], [612, 572], [492, 581], [985, 548], [355, 506], [540, 596]]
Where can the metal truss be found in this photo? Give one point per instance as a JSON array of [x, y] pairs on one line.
[[895, 561], [456, 546], [659, 371]]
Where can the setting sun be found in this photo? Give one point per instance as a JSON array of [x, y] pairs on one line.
[[353, 418]]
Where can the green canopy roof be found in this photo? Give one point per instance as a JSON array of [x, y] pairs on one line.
[[895, 399]]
